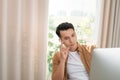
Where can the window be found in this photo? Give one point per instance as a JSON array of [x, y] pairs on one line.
[[81, 13]]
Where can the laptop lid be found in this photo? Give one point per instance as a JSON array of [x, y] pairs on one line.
[[105, 64]]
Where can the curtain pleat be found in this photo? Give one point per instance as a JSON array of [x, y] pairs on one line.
[[116, 28], [23, 39], [109, 24]]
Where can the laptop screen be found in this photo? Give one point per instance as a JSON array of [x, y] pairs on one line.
[[105, 64]]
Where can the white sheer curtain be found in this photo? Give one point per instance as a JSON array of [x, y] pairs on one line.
[[23, 39], [110, 24]]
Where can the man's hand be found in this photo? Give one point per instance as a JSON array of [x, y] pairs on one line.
[[63, 52], [60, 69]]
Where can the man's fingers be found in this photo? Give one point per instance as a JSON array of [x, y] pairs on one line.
[[61, 46], [67, 49]]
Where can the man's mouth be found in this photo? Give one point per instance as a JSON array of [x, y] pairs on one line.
[[72, 45]]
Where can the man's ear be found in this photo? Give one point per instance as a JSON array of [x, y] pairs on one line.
[[59, 39]]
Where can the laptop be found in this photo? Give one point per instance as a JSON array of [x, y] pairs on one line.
[[105, 64]]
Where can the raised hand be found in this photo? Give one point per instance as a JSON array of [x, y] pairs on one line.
[[63, 52]]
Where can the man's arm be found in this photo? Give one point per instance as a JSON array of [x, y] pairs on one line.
[[58, 70], [59, 66]]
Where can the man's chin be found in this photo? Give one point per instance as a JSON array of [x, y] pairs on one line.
[[72, 48]]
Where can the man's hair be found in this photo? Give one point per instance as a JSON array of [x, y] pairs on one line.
[[62, 27]]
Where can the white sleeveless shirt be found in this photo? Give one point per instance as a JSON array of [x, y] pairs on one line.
[[75, 67]]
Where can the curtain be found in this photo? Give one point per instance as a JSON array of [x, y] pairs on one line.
[[109, 24], [23, 39]]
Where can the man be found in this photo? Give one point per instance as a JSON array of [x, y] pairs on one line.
[[72, 62]]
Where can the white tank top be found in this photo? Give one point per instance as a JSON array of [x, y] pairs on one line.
[[75, 67]]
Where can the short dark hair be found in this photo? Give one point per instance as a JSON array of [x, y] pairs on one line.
[[62, 27]]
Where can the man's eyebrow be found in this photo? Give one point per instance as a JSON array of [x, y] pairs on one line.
[[66, 37]]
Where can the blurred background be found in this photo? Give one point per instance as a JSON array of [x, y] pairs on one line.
[[27, 32]]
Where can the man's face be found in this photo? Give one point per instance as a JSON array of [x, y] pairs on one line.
[[69, 38]]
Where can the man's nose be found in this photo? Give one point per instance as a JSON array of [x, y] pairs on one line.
[[71, 40]]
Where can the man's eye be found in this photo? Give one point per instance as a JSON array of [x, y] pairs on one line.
[[66, 38], [73, 35]]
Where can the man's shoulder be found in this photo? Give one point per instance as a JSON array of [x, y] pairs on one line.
[[56, 58], [56, 55], [84, 47]]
